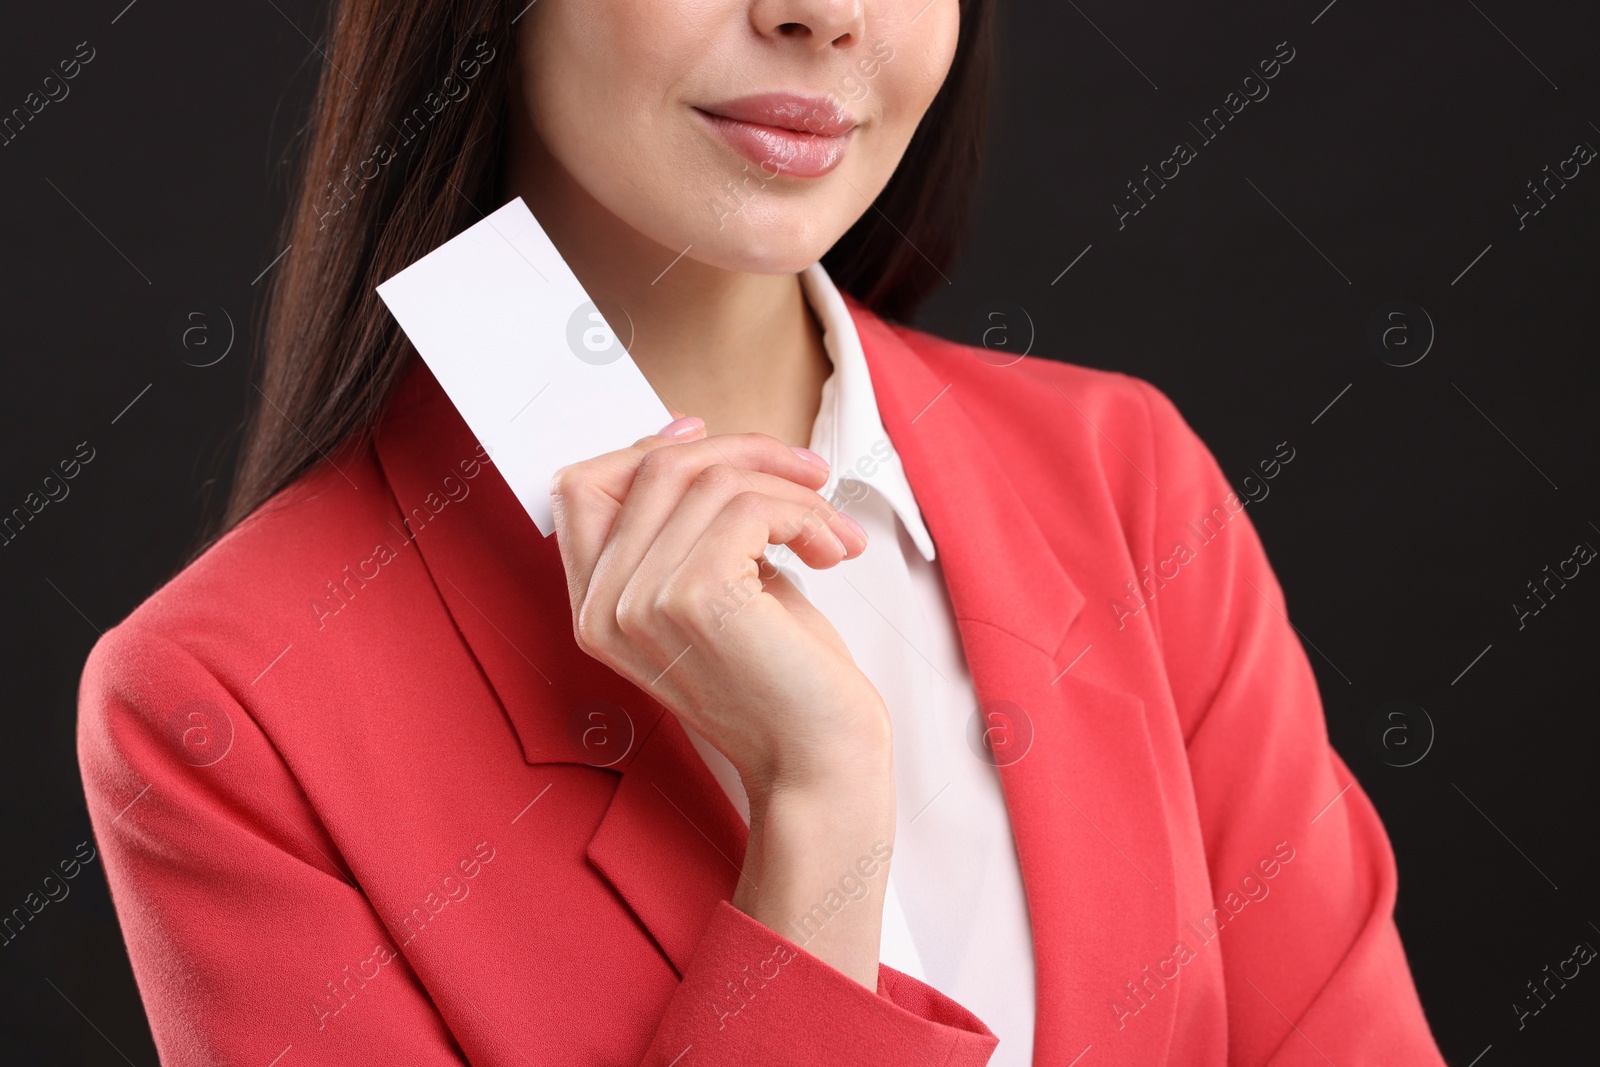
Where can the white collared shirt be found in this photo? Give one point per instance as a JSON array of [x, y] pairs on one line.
[[955, 915]]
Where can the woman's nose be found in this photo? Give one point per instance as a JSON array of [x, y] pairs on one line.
[[821, 23]]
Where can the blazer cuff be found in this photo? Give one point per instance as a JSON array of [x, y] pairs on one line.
[[751, 995]]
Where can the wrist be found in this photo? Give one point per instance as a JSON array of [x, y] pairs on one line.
[[853, 767], [816, 867]]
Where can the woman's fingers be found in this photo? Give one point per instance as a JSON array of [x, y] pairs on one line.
[[724, 528], [634, 489], [585, 498], [766, 510], [798, 517], [716, 576], [664, 476]]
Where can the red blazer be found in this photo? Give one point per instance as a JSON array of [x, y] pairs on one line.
[[362, 799]]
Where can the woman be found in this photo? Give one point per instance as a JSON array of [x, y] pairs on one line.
[[1022, 763]]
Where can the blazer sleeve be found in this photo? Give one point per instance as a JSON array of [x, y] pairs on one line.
[[809, 1012], [1314, 967], [249, 937]]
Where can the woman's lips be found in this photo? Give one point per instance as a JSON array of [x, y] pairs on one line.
[[801, 136]]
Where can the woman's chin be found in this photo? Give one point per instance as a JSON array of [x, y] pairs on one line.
[[761, 246]]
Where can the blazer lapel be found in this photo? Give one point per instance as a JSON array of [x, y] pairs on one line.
[[670, 843], [1076, 762]]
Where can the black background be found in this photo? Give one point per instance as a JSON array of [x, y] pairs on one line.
[[1382, 167]]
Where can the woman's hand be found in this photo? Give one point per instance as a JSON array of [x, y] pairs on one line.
[[662, 544]]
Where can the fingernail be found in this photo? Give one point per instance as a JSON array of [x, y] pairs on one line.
[[854, 525], [679, 427], [810, 456]]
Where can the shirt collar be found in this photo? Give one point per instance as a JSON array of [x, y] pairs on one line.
[[848, 431]]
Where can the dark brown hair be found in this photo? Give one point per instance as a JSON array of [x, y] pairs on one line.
[[404, 150]]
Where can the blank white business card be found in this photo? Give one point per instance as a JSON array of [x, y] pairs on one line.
[[539, 375]]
